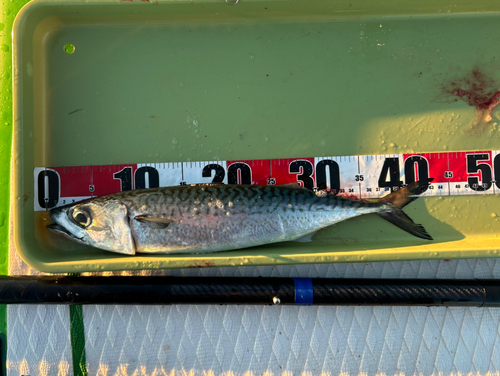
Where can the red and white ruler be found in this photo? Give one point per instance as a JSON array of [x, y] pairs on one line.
[[364, 176]]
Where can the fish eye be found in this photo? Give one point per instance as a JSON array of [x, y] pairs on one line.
[[82, 218]]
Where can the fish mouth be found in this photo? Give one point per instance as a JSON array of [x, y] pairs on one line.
[[60, 211], [60, 230]]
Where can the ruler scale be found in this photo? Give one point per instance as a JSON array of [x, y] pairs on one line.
[[363, 176]]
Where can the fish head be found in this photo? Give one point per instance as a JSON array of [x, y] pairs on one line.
[[102, 224]]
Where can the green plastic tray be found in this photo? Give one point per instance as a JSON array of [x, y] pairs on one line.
[[264, 79]]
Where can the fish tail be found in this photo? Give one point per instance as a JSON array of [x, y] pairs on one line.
[[400, 199]]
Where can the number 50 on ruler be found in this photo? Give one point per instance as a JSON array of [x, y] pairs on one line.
[[365, 176]]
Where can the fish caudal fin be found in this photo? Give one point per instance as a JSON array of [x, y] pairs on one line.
[[400, 219], [400, 199]]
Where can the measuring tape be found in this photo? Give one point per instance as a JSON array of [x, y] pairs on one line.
[[364, 176]]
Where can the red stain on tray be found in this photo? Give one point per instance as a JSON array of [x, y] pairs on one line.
[[478, 90], [202, 264]]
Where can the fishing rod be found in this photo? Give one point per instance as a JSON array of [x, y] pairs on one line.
[[240, 290]]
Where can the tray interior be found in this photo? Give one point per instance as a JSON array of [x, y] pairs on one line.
[[179, 81]]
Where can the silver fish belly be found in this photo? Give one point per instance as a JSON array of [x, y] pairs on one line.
[[210, 218], [214, 218]]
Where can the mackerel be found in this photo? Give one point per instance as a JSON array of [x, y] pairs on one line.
[[216, 217]]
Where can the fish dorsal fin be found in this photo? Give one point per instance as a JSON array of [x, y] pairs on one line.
[[154, 222], [291, 186]]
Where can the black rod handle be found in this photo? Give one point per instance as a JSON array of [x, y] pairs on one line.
[[239, 290]]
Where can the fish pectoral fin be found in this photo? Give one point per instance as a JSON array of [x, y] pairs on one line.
[[306, 238], [154, 222]]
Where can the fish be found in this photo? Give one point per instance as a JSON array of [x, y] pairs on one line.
[[203, 218]]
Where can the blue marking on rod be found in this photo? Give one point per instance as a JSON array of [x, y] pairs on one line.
[[303, 291]]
